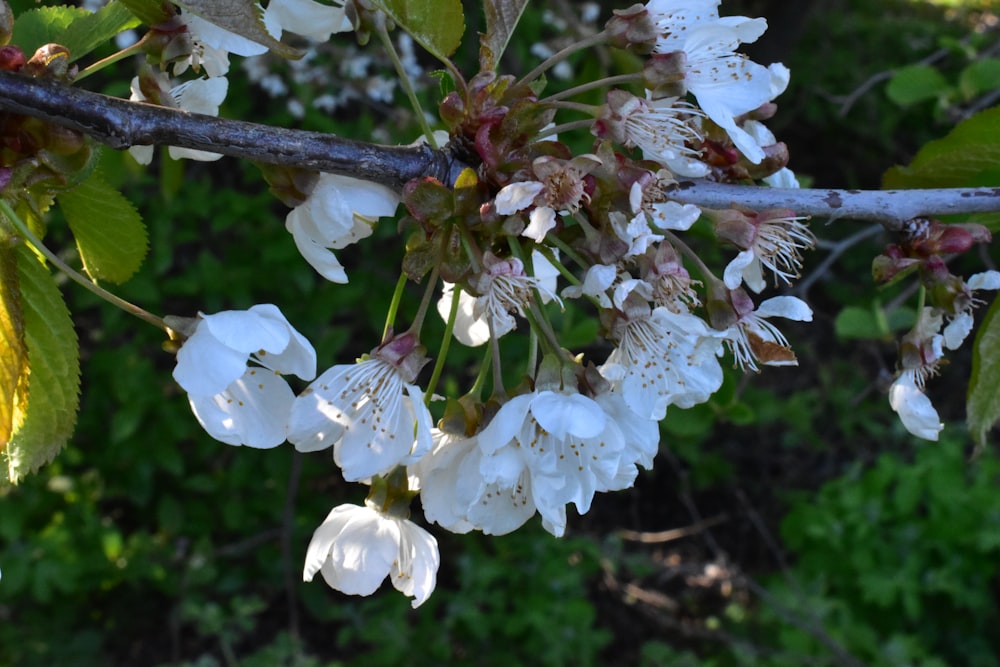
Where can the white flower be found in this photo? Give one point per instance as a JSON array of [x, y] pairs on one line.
[[958, 328], [663, 358], [725, 83], [309, 19], [753, 339], [198, 96], [915, 410], [662, 129], [356, 548], [771, 239], [236, 404], [338, 212], [370, 412], [455, 495], [596, 283], [563, 444], [560, 187], [504, 288]]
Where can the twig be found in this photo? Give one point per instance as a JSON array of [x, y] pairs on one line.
[[836, 250], [121, 124], [661, 536]]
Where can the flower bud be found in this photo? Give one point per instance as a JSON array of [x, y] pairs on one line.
[[51, 61], [11, 58], [632, 28]]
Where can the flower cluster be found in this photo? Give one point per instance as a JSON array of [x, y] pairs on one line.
[[530, 228]]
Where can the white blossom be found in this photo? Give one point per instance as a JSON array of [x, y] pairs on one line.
[[959, 326], [754, 339], [309, 19], [915, 410], [338, 212], [370, 412], [356, 548], [236, 404]]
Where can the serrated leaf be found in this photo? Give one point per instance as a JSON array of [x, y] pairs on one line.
[[437, 25], [501, 20], [13, 353], [243, 17], [916, 83], [969, 156], [149, 12], [981, 76], [94, 29], [109, 232], [983, 408], [47, 397], [37, 27], [77, 29]]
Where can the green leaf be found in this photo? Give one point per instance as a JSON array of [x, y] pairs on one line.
[[78, 30], [437, 25], [969, 156], [13, 352], [110, 234], [150, 12], [45, 404], [983, 408], [981, 76], [243, 17], [501, 19], [916, 83], [92, 30], [44, 25]]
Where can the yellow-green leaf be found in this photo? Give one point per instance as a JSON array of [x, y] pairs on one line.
[[983, 409], [243, 17], [501, 19], [47, 397], [13, 354], [110, 234], [437, 25]]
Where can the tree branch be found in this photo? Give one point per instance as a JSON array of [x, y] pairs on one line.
[[120, 124]]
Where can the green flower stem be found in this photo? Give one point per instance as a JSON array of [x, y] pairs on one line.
[[499, 392], [634, 77], [484, 369], [684, 248], [102, 293], [397, 298], [565, 127], [425, 301], [113, 58], [559, 56], [442, 355], [404, 81]]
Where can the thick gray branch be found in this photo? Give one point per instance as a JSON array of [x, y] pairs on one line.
[[120, 124]]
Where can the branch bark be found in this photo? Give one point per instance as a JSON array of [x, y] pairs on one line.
[[120, 124]]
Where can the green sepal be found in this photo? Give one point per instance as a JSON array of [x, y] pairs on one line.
[[48, 395], [110, 235], [983, 407]]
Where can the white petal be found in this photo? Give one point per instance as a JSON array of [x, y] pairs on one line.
[[206, 366], [298, 357], [789, 307], [914, 408], [955, 333], [309, 19], [318, 256], [671, 215], [220, 38], [985, 280], [567, 414], [416, 572], [733, 275], [252, 411], [541, 220], [469, 329], [517, 196]]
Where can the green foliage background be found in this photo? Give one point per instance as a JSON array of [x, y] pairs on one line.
[[146, 542]]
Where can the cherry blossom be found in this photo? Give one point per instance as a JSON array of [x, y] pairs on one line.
[[370, 412], [356, 548], [233, 403], [753, 339], [339, 211]]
